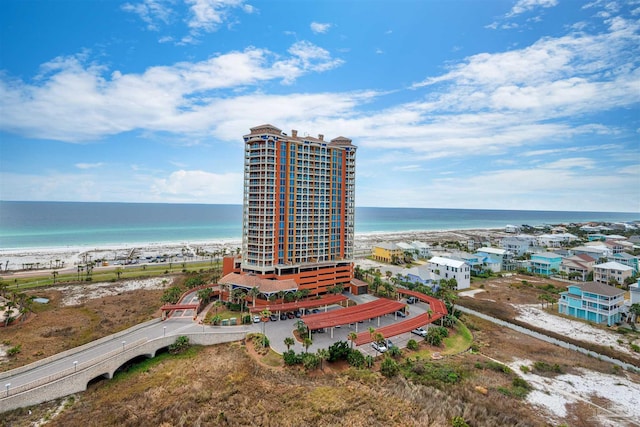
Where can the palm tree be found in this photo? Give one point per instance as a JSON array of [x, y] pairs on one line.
[[306, 343], [253, 292], [288, 341], [323, 354], [635, 311], [54, 273], [352, 337]]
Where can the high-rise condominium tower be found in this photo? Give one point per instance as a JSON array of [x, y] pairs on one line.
[[299, 208]]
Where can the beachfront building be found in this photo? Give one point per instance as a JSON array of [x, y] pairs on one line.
[[592, 301], [611, 273], [447, 268], [298, 211], [387, 252], [518, 245], [628, 260], [504, 257], [577, 267], [596, 252], [545, 263], [409, 249], [421, 275], [556, 240], [424, 249]]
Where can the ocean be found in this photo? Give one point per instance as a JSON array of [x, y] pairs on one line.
[[61, 224]]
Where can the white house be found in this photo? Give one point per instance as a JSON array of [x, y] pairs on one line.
[[447, 268], [555, 240], [518, 245], [424, 249], [408, 248]]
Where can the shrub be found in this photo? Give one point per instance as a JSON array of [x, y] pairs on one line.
[[433, 337], [519, 382], [291, 358], [310, 361], [14, 350], [524, 368], [181, 344], [546, 367], [338, 351], [458, 422], [412, 344], [355, 358], [389, 367]]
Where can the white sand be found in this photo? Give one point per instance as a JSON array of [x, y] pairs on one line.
[[573, 328], [74, 255], [77, 294], [553, 394]]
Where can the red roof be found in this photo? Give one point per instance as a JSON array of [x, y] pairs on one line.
[[168, 307], [438, 308], [309, 303], [353, 314]]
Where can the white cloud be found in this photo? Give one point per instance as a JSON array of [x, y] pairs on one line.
[[319, 28], [89, 165], [523, 6], [74, 101], [152, 12], [198, 185]]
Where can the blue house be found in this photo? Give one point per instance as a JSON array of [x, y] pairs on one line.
[[592, 301], [545, 263]]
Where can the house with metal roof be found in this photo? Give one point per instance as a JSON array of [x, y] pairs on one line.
[[592, 301], [447, 268]]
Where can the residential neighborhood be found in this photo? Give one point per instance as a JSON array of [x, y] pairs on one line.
[[599, 262]]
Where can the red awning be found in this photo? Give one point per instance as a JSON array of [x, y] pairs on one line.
[[354, 314]]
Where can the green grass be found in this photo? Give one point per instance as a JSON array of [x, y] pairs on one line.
[[272, 359], [46, 279], [458, 342]]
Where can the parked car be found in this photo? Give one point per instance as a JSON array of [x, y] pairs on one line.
[[315, 310], [401, 313], [283, 316], [412, 300], [419, 331], [379, 346], [390, 344], [273, 317], [256, 319], [290, 315], [298, 314]]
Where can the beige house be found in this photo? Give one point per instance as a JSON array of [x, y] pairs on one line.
[[610, 271]]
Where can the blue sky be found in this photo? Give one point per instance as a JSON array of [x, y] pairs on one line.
[[522, 104]]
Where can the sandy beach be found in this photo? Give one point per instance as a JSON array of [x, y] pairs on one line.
[[60, 258]]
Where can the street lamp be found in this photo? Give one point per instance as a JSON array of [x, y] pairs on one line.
[[7, 385], [123, 343], [75, 365], [164, 331]]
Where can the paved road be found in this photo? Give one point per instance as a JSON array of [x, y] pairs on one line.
[[182, 323], [168, 328]]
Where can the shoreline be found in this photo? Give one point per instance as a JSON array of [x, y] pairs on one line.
[[72, 255]]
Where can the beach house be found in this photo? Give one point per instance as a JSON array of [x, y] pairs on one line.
[[611, 273], [592, 301], [628, 260], [545, 263], [387, 252], [518, 245], [447, 268], [577, 267], [504, 256]]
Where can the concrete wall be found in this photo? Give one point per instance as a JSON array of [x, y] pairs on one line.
[[76, 380]]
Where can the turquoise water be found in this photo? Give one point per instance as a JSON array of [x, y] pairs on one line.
[[59, 224]]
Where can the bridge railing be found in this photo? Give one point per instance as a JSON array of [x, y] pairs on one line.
[[77, 368], [61, 355]]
